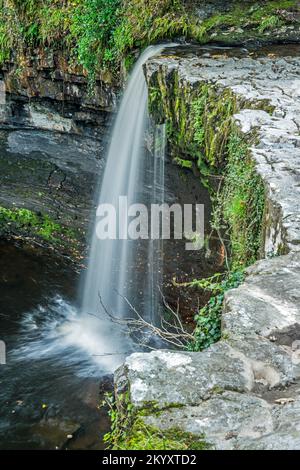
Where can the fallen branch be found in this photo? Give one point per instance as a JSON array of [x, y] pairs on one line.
[[171, 332]]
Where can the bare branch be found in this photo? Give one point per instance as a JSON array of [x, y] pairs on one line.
[[171, 331]]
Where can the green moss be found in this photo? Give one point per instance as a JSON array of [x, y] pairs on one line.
[[241, 203], [201, 133], [216, 390], [269, 23], [130, 432], [101, 34], [150, 20], [198, 121], [187, 164], [244, 21], [211, 122], [28, 222], [142, 436]]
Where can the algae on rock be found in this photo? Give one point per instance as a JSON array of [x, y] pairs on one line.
[[201, 133]]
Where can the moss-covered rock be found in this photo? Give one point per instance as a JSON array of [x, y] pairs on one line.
[[201, 133], [130, 430], [103, 34], [24, 223]]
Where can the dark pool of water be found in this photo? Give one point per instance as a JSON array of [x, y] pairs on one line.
[[49, 390]]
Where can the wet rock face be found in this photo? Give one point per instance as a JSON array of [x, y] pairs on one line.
[[63, 89], [53, 174], [54, 132], [211, 7], [243, 392]]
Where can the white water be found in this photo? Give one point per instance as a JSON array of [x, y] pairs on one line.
[[117, 270], [155, 249]]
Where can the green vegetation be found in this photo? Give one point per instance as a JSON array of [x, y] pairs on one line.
[[245, 20], [201, 134], [198, 122], [101, 34], [26, 221], [96, 31], [211, 122], [183, 163], [238, 209], [130, 432], [208, 319], [241, 204], [269, 23]]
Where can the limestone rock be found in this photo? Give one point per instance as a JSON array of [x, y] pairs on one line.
[[223, 419], [162, 376], [268, 300]]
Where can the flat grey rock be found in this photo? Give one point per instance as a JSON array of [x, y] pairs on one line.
[[223, 419], [162, 376]]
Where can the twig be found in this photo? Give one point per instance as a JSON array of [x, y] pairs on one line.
[[170, 332]]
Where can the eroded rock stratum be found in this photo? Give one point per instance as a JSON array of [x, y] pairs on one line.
[[243, 392]]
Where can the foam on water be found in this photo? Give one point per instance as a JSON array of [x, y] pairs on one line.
[[59, 332]]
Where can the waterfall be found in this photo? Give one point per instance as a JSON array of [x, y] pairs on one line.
[[155, 248], [125, 269]]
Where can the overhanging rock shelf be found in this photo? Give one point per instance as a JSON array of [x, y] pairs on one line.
[[231, 391]]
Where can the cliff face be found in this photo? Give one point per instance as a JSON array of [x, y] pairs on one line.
[[75, 55], [54, 131], [47, 78], [200, 94], [243, 392]]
